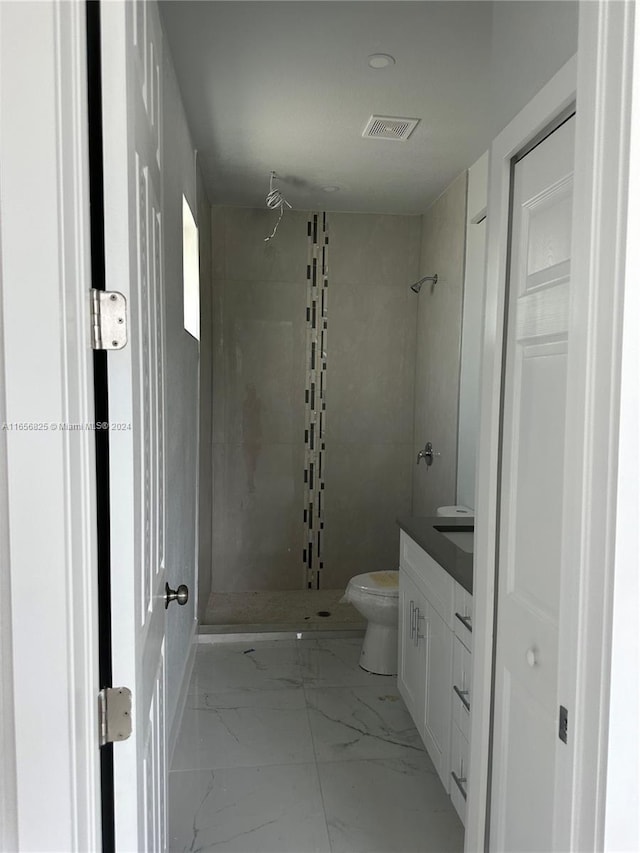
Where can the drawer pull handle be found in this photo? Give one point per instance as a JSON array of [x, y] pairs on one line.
[[461, 783], [412, 618], [466, 621], [419, 636], [462, 696]]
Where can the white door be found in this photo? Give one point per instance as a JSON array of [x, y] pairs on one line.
[[525, 732], [131, 80]]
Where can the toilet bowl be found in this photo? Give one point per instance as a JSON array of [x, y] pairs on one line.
[[375, 596]]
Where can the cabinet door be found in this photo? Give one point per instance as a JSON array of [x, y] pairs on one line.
[[436, 728], [411, 650], [436, 584]]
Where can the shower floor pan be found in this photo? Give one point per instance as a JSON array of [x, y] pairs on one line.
[[281, 611]]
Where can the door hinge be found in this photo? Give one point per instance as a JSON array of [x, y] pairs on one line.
[[114, 714], [108, 319]]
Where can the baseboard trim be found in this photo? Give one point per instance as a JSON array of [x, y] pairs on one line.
[[182, 699]]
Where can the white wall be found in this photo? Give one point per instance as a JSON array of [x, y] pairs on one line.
[[475, 253], [622, 816], [439, 326], [181, 388], [622, 819], [205, 464], [531, 40], [8, 804]]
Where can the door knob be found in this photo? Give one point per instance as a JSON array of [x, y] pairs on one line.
[[181, 595], [532, 659]]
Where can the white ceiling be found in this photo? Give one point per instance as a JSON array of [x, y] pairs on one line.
[[286, 86]]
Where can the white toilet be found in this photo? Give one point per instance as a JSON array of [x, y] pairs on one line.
[[375, 596]]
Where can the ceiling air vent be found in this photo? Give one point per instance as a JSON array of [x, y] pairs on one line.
[[390, 127]]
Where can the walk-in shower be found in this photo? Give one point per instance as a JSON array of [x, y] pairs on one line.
[[300, 363]]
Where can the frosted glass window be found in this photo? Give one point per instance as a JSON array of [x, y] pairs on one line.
[[190, 271]]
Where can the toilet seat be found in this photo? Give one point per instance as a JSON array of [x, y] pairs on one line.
[[377, 583]]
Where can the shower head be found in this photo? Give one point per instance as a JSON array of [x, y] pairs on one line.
[[418, 285]]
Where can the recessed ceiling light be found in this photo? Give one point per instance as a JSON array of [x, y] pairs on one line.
[[331, 189], [381, 60]]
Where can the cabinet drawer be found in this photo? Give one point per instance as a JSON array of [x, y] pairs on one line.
[[461, 688], [438, 585], [459, 765], [463, 610]]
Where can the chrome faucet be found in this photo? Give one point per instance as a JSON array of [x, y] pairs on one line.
[[428, 454]]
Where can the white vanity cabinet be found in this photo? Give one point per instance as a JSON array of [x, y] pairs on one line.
[[434, 663]]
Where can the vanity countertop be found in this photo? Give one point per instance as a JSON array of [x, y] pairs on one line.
[[453, 559]]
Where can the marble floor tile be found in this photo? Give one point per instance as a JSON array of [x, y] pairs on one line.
[[244, 729], [268, 665], [361, 722], [293, 748], [247, 810], [334, 663], [388, 806]]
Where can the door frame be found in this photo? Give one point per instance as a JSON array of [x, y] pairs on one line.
[[600, 76], [48, 377]]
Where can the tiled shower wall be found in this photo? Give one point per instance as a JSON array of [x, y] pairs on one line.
[[261, 372], [370, 380], [259, 334], [438, 347]]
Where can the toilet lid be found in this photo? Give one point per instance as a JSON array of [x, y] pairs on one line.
[[377, 583]]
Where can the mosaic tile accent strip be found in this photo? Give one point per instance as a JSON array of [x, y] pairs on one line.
[[315, 398]]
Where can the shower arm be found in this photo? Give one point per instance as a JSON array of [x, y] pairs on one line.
[[418, 285]]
